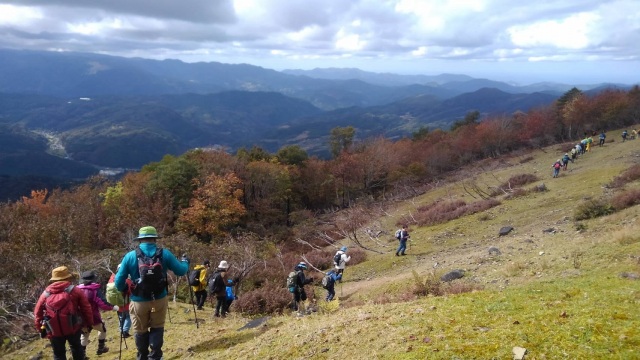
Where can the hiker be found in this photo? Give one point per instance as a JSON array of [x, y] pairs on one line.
[[589, 141], [230, 295], [149, 302], [65, 325], [634, 134], [332, 277], [573, 154], [97, 301], [556, 167], [602, 137], [115, 297], [218, 288], [200, 290], [299, 295], [624, 135], [340, 260], [402, 235], [565, 161], [579, 149], [583, 146]]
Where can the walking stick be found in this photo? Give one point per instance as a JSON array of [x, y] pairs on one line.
[[195, 316]]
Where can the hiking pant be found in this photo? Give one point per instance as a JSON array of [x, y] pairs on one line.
[[299, 296], [102, 333], [154, 339], [147, 319], [601, 142], [221, 300], [59, 350], [331, 291], [201, 297], [227, 305], [556, 172], [402, 248], [125, 321]]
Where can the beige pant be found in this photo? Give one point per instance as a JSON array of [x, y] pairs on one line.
[[148, 314], [102, 334]]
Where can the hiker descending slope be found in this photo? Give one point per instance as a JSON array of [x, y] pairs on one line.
[[556, 167], [122, 299], [60, 312], [230, 295], [329, 282], [92, 292], [402, 235], [147, 265], [218, 288], [198, 282], [340, 260], [296, 282]]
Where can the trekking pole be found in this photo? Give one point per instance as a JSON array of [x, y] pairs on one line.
[[195, 316], [166, 281]]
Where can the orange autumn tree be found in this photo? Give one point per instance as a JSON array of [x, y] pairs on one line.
[[214, 208]]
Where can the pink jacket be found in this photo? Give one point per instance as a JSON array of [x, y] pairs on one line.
[[93, 294]]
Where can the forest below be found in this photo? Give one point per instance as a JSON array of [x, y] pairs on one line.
[[262, 211]]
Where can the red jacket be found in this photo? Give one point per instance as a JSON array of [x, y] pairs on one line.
[[77, 297]]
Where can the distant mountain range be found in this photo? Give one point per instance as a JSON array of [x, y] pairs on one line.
[[105, 111]]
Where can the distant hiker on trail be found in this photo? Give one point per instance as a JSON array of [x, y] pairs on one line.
[[565, 161], [93, 293], [73, 310], [579, 149], [634, 134], [402, 235], [589, 141], [583, 146], [556, 168], [200, 290], [218, 288], [331, 278], [602, 137], [299, 295], [115, 297], [340, 260], [147, 265], [624, 135], [230, 295], [573, 154]]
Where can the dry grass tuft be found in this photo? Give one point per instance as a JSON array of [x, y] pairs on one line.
[[629, 175]]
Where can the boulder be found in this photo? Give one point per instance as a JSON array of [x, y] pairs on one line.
[[452, 275], [505, 230]]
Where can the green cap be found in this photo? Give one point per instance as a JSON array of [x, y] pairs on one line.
[[147, 232]]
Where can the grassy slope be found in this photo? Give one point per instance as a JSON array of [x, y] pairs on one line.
[[558, 295]]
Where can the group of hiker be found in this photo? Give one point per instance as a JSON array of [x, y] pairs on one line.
[[581, 148], [69, 313]]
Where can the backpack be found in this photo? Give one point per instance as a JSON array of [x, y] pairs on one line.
[[152, 279], [194, 278], [326, 280], [556, 165], [291, 281], [216, 286], [61, 315], [399, 234], [114, 297], [337, 258]]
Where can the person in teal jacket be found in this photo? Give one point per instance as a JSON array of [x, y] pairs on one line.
[[148, 308]]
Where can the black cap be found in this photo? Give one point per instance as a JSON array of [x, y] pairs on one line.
[[88, 276], [206, 262]]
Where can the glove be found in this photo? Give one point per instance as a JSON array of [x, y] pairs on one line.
[[116, 308]]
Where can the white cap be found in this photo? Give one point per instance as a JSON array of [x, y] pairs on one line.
[[223, 265]]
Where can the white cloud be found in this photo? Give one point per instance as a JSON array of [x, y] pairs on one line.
[[570, 33]]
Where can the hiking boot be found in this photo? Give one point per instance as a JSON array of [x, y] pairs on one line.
[[101, 347], [200, 308], [126, 334]]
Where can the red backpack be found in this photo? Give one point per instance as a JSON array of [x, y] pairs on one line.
[[61, 314]]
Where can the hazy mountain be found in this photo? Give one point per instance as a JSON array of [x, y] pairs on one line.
[[385, 79]]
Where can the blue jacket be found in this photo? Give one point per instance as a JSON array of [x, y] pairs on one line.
[[230, 295], [129, 267]]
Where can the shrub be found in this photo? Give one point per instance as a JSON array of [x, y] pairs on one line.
[[460, 287], [591, 209], [629, 175], [441, 212], [431, 285], [626, 199], [271, 298], [513, 184]]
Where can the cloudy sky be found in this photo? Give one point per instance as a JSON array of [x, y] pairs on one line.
[[571, 41]]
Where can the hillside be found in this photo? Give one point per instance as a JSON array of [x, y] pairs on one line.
[[557, 287]]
